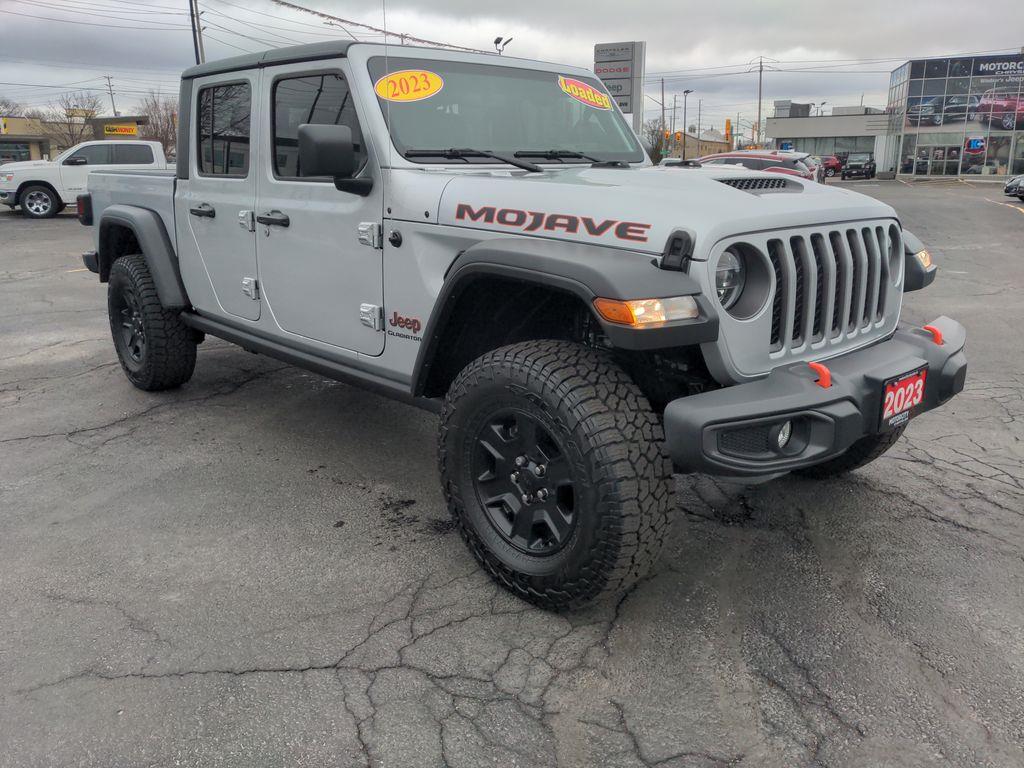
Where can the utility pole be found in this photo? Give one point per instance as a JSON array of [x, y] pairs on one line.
[[760, 80], [736, 127], [700, 104], [192, 19], [663, 114], [674, 108], [110, 90], [199, 34]]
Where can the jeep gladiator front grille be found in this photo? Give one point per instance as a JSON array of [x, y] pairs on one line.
[[830, 284]]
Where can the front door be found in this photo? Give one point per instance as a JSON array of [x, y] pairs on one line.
[[75, 168], [213, 209], [315, 274]]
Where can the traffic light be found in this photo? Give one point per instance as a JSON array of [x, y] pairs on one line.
[[679, 135], [668, 134]]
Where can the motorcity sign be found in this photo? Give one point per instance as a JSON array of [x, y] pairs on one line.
[[999, 67]]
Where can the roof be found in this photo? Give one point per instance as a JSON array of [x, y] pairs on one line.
[[289, 55]]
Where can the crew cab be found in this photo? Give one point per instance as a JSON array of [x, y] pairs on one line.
[[485, 237], [858, 164], [43, 188]]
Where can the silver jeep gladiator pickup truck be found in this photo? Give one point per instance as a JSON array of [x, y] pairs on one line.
[[486, 237]]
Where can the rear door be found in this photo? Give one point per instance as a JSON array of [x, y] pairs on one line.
[[131, 156], [319, 280], [213, 208]]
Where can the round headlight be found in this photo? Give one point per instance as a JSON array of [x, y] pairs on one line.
[[730, 275]]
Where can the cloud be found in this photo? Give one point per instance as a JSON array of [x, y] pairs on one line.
[[821, 48]]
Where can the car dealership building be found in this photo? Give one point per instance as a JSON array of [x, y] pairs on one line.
[[953, 116]]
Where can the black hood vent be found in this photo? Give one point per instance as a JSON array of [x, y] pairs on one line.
[[760, 184]]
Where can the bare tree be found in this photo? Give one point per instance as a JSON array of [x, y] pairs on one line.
[[654, 137], [162, 112], [65, 120], [9, 107]]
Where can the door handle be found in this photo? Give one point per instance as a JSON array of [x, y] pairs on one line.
[[204, 210], [274, 219]]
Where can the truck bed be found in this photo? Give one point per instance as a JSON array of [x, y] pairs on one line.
[[152, 189]]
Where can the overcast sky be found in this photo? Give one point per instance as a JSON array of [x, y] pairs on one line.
[[834, 52]]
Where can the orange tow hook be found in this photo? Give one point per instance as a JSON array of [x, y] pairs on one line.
[[824, 375], [936, 334]]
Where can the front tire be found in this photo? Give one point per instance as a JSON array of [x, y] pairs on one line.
[[830, 172], [39, 202], [862, 452], [156, 349], [554, 469]]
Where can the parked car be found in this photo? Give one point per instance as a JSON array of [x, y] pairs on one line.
[[1005, 110], [581, 321], [944, 109], [859, 164], [763, 160], [1014, 187], [816, 166], [42, 188], [833, 165]]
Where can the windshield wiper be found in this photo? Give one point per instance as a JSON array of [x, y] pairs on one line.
[[563, 155], [462, 154]]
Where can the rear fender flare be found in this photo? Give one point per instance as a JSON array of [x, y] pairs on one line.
[[149, 231]]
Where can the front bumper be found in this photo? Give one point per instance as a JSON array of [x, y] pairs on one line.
[[731, 431], [7, 196]]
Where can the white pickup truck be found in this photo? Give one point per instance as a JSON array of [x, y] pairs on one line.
[[44, 187]]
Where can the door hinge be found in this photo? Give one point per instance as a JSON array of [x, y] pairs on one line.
[[372, 316], [251, 288], [371, 233], [246, 221]]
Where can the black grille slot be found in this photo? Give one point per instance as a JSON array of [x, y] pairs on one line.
[[775, 256], [856, 277], [752, 185], [797, 246], [751, 441], [818, 249], [883, 271], [842, 279]]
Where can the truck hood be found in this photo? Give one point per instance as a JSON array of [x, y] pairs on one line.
[[638, 208], [22, 165]]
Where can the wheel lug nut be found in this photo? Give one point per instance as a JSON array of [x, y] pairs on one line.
[[515, 477], [520, 461], [542, 494], [540, 470], [526, 498]]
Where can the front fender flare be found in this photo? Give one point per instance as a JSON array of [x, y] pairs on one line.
[[156, 248], [586, 271]]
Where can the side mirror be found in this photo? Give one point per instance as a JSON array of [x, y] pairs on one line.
[[328, 150], [76, 161]]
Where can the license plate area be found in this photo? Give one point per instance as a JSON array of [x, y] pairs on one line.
[[901, 398]]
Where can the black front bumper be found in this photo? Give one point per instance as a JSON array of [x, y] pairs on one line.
[[732, 431]]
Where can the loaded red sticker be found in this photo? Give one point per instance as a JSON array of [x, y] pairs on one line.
[[533, 221], [585, 93]]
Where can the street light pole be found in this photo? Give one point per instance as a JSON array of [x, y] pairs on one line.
[[686, 93]]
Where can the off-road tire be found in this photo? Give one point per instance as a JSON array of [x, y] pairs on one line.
[[612, 439], [169, 354], [36, 210], [862, 452]]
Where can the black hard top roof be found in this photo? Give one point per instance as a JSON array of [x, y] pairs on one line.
[[293, 53]]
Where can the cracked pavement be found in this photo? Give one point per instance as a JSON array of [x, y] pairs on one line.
[[257, 570]]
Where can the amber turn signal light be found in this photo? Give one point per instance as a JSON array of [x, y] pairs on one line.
[[644, 312], [925, 258]]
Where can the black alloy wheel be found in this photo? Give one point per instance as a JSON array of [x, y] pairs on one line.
[[130, 336], [524, 483]]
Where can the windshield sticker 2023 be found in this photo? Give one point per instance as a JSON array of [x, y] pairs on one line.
[[583, 93], [409, 85]]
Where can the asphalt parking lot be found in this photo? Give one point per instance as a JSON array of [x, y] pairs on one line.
[[258, 570]]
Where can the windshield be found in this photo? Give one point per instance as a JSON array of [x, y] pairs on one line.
[[437, 104], [859, 158]]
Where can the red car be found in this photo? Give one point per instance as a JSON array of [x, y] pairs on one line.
[[1004, 109], [833, 164], [761, 161]]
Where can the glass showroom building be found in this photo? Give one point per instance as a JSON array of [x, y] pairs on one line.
[[960, 116]]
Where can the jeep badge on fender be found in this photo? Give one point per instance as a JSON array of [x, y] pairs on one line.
[[584, 323]]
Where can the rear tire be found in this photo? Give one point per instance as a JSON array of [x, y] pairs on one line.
[[156, 349], [39, 202], [862, 452], [593, 521]]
